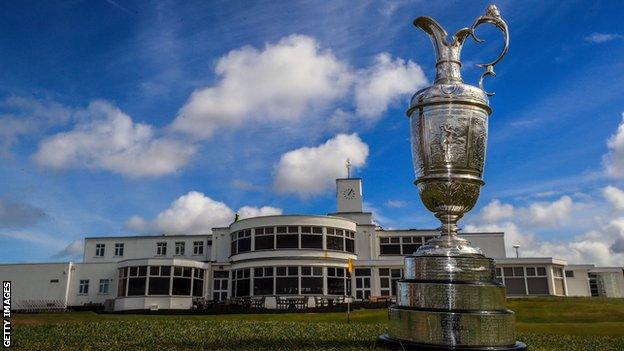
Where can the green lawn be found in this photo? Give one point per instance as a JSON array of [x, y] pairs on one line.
[[544, 324]]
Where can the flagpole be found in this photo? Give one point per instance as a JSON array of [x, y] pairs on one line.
[[350, 270]]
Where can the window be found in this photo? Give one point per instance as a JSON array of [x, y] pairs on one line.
[[241, 282], [181, 281], [388, 278], [410, 244], [137, 280], [104, 284], [390, 246], [244, 240], [402, 245], [311, 237], [287, 239], [198, 247], [119, 249], [336, 281], [558, 275], [54, 280], [335, 239], [123, 280], [362, 283], [160, 277], [161, 249], [569, 274], [287, 280], [198, 282], [524, 280], [234, 244], [99, 250], [220, 285], [179, 248], [349, 241], [264, 238], [83, 287], [263, 281], [311, 280]]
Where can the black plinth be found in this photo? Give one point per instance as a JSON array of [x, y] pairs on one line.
[[406, 345]]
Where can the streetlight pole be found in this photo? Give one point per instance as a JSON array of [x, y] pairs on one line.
[[517, 253]]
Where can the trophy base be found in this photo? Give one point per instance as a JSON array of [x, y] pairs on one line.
[[387, 341], [451, 303]]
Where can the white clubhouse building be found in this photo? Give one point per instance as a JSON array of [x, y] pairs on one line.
[[271, 256]]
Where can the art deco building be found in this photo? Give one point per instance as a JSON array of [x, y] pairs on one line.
[[284, 255]]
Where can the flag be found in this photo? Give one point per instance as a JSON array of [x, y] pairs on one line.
[[350, 266]]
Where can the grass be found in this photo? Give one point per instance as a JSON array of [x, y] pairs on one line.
[[544, 324]]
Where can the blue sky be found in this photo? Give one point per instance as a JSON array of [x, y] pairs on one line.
[[133, 117]]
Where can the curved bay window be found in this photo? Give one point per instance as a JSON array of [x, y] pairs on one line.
[[263, 281], [335, 239], [264, 238], [160, 281], [288, 237], [311, 280], [311, 237], [241, 282], [337, 282], [292, 237], [136, 280], [287, 280]]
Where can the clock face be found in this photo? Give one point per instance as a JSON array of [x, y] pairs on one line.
[[349, 194]]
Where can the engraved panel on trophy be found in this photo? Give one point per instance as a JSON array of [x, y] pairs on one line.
[[447, 129], [417, 142], [479, 139]]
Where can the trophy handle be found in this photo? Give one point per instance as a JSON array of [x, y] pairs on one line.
[[492, 16]]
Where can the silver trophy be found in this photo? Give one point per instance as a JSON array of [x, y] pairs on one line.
[[448, 298]]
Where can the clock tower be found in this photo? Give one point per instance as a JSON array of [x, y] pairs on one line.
[[349, 195]]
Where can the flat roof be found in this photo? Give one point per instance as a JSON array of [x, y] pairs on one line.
[[146, 236], [296, 216], [436, 230], [531, 260]]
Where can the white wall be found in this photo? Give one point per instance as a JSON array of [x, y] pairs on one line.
[[492, 244], [579, 284], [145, 303], [613, 282], [93, 272], [145, 247], [32, 281]]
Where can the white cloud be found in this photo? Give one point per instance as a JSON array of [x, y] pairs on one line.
[[384, 83], [603, 37], [137, 224], [495, 211], [108, 139], [602, 245], [28, 116], [310, 171], [74, 250], [614, 159], [396, 203], [282, 82], [548, 213], [615, 196], [537, 214], [32, 237], [295, 81], [195, 213], [248, 211]]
